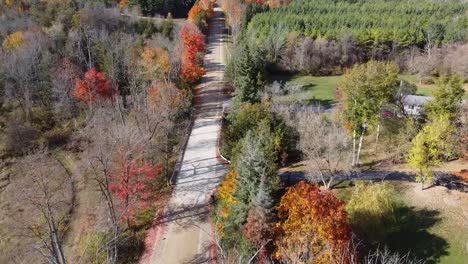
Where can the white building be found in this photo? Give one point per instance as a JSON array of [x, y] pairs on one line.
[[413, 104]]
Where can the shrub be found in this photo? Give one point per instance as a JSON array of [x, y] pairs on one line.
[[42, 118], [93, 247], [57, 136], [371, 209], [239, 122], [20, 137]]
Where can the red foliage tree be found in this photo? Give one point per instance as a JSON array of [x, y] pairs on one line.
[[194, 45], [131, 181], [93, 87], [313, 226]]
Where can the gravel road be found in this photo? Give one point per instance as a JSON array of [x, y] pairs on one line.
[[184, 234]]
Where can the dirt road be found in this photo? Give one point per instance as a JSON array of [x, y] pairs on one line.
[[184, 233]]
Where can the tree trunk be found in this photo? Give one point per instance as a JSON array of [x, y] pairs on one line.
[[56, 243], [360, 145], [377, 137], [354, 148]]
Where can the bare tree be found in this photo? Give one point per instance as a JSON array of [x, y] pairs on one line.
[[386, 257], [64, 77], [45, 190], [325, 144], [23, 72]]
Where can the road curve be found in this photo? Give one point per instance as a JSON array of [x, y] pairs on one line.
[[184, 234]]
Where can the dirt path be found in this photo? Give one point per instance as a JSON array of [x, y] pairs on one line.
[[183, 234]]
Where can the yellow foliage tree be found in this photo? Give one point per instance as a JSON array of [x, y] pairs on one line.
[[226, 199], [13, 41], [429, 146]]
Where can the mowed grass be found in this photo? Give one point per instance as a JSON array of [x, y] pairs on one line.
[[318, 90], [430, 224], [426, 89]]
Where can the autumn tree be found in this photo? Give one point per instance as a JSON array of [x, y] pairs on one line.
[[198, 16], [165, 102], [234, 11], [429, 147], [155, 63], [364, 90], [313, 226], [225, 201], [131, 180], [108, 135], [194, 46], [93, 88], [13, 41]]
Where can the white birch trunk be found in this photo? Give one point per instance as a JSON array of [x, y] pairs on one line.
[[360, 145]]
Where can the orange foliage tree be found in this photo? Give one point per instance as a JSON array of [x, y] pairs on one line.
[[165, 98], [313, 226], [277, 3], [194, 46], [195, 11], [156, 63], [93, 87]]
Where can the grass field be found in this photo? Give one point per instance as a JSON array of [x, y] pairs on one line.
[[430, 224], [315, 90], [321, 89]]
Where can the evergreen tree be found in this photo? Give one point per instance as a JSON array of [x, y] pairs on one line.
[[257, 179], [247, 73]]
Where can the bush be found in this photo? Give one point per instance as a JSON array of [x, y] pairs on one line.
[[146, 28], [57, 136], [20, 137], [371, 210], [42, 119], [93, 247], [238, 123]]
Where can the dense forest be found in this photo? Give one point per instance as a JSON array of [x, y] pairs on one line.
[[324, 37], [371, 23]]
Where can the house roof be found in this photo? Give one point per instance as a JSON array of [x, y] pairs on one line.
[[416, 100]]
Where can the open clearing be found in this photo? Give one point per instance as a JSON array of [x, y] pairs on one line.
[[432, 223], [320, 90]]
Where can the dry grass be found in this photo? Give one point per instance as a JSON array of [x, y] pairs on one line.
[[16, 213]]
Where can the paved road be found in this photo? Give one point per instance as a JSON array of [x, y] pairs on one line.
[[186, 234]]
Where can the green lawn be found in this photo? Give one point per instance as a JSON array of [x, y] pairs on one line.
[[426, 89], [429, 223], [320, 90], [316, 90]]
